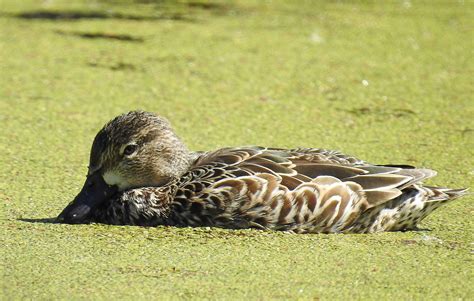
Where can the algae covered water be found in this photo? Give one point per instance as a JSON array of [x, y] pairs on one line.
[[389, 83]]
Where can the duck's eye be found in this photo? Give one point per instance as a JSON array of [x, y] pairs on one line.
[[130, 149]]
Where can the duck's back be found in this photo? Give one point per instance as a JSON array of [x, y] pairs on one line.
[[302, 190]]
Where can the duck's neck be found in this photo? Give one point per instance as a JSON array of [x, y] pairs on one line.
[[173, 159], [147, 206]]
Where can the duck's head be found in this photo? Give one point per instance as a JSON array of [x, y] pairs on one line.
[[136, 149]]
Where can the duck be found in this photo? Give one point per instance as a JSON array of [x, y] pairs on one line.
[[141, 173]]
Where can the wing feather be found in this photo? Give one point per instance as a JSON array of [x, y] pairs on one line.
[[291, 168]]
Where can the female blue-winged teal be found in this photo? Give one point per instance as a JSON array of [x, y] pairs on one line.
[[140, 173]]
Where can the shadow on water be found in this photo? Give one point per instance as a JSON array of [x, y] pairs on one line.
[[382, 112], [51, 220], [119, 66], [416, 229], [210, 6], [159, 10], [100, 35], [75, 15]]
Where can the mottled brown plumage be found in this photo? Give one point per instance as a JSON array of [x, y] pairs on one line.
[[300, 190]]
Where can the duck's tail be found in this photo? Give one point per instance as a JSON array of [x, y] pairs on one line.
[[444, 194], [407, 210]]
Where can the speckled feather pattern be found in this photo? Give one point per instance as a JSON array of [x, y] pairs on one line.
[[141, 173], [299, 190]]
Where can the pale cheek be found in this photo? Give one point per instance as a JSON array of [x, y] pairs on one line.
[[112, 178]]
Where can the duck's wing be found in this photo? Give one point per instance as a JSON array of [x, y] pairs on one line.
[[295, 167], [232, 155]]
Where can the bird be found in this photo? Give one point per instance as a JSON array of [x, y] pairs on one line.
[[141, 173]]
